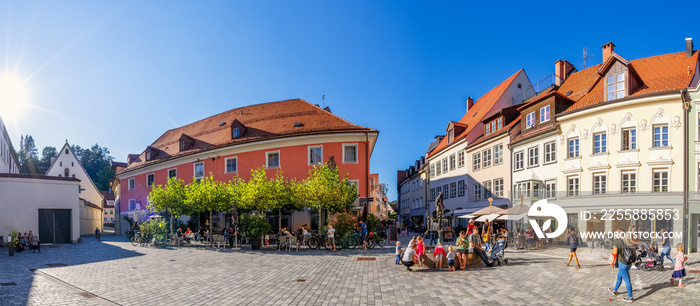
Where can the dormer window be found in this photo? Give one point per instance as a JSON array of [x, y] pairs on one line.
[[530, 120], [616, 86], [183, 145], [186, 142], [500, 123], [450, 136], [487, 129], [236, 132]]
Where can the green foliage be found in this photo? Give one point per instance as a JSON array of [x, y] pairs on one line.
[[96, 159], [13, 238], [372, 222], [154, 227], [263, 194], [28, 156], [46, 154], [344, 223], [254, 225], [323, 188], [170, 197], [208, 194]]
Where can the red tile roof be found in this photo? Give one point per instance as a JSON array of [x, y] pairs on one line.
[[503, 130], [262, 121], [477, 112], [108, 195], [658, 73]]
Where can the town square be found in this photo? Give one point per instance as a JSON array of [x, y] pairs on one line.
[[349, 153]]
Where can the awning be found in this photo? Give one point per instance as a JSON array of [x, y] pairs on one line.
[[512, 217], [490, 217], [467, 211]]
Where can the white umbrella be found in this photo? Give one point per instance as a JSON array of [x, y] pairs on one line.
[[467, 216], [490, 217], [512, 217]]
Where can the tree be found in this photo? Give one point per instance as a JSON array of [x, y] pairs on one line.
[[170, 198], [263, 194], [45, 162], [28, 155], [94, 160], [209, 195], [323, 189]]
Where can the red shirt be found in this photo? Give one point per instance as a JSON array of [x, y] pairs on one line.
[[469, 228]]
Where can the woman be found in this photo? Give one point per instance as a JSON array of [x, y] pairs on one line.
[[470, 226], [572, 237], [665, 247], [631, 241], [462, 248]]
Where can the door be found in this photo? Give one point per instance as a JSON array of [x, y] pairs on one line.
[[55, 225], [696, 232]]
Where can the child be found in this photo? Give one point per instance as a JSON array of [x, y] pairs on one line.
[[420, 250], [450, 259], [679, 271], [438, 253], [398, 252]]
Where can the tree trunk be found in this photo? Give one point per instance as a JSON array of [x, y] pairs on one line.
[[211, 216], [279, 220]]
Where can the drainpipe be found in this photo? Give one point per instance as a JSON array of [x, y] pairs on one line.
[[364, 212], [686, 112]]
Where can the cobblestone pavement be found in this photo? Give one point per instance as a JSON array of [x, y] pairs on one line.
[[113, 271]]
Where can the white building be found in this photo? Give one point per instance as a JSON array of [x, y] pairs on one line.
[[412, 193], [8, 159]]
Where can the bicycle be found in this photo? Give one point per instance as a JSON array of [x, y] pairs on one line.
[[316, 241], [374, 239], [351, 240], [134, 237]]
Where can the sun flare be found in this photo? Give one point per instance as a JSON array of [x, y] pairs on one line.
[[14, 97]]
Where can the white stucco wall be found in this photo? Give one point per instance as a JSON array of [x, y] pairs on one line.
[[70, 161], [8, 160], [546, 172]]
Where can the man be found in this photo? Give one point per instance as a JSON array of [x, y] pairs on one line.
[[363, 234], [331, 238], [623, 265], [433, 231], [475, 246]]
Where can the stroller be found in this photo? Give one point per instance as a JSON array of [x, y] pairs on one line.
[[498, 251], [648, 258]]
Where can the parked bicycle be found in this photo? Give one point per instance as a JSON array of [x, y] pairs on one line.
[[317, 241], [374, 239]]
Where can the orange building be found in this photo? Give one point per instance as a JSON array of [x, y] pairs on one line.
[[289, 136]]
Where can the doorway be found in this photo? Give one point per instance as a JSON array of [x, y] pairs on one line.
[[55, 225]]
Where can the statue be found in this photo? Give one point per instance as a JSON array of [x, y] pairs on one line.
[[440, 210]]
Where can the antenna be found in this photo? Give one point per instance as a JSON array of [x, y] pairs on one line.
[[586, 57], [323, 97]]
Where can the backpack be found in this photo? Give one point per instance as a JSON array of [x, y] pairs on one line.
[[629, 255]]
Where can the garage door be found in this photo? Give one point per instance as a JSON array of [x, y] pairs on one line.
[[54, 225]]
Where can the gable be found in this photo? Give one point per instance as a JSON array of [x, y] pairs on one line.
[[67, 162]]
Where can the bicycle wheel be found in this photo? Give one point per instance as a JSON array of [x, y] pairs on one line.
[[314, 243], [353, 242], [380, 241], [135, 239], [370, 243]]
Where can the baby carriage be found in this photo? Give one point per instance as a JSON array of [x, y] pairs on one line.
[[499, 250], [648, 258]]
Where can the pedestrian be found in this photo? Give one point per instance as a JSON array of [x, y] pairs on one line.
[[462, 247], [433, 231], [470, 226], [679, 269], [572, 237], [331, 238], [409, 257], [231, 236], [420, 250], [665, 247], [97, 233], [450, 259], [363, 234], [485, 234], [623, 265], [631, 241], [439, 253], [476, 248], [227, 235], [398, 252]]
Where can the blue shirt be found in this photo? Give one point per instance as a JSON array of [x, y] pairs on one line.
[[363, 228]]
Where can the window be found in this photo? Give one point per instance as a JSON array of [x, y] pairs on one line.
[[600, 183], [600, 143], [183, 145], [446, 191], [500, 123], [432, 170], [432, 194], [533, 156], [477, 160], [524, 189], [273, 159], [530, 120], [315, 155], [573, 148], [438, 167], [498, 187], [572, 189], [444, 165], [487, 189], [660, 183], [453, 162], [132, 184], [629, 139], [149, 179], [356, 183], [232, 164], [132, 204], [493, 127], [519, 160], [236, 132], [660, 136], [544, 114], [616, 86], [487, 128], [172, 173], [72, 164], [629, 182], [487, 158], [460, 159], [199, 170], [66, 151], [460, 188], [498, 154], [550, 189], [477, 192], [550, 152], [453, 190], [349, 153]]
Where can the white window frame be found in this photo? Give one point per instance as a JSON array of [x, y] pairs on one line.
[[602, 188], [453, 162], [551, 155], [267, 159], [487, 129], [533, 160], [460, 188], [653, 180], [308, 158], [477, 192], [499, 122], [194, 170], [226, 164], [498, 154], [544, 113], [631, 143], [130, 203], [573, 192], [453, 190], [486, 162], [460, 159], [577, 153], [550, 188], [632, 181], [519, 160], [476, 160], [445, 166], [600, 143], [618, 92], [152, 182], [530, 120], [236, 132], [131, 184], [661, 141], [488, 193], [438, 168], [171, 169], [446, 191], [432, 170], [357, 153], [498, 187]]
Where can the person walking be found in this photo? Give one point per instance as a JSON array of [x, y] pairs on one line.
[[679, 267], [623, 266], [631, 241], [462, 247], [433, 231], [363, 234], [572, 237], [476, 248], [97, 233], [398, 252], [665, 247]]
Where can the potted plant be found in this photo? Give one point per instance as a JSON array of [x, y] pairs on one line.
[[254, 225], [13, 241]]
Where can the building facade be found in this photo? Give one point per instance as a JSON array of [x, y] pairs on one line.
[[8, 158], [412, 193]]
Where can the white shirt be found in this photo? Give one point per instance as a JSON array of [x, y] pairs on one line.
[[408, 254], [331, 232]]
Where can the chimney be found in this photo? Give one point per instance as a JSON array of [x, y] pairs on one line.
[[688, 47], [470, 102], [608, 50], [561, 70]]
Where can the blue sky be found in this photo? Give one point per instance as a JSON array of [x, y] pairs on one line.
[[120, 73]]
